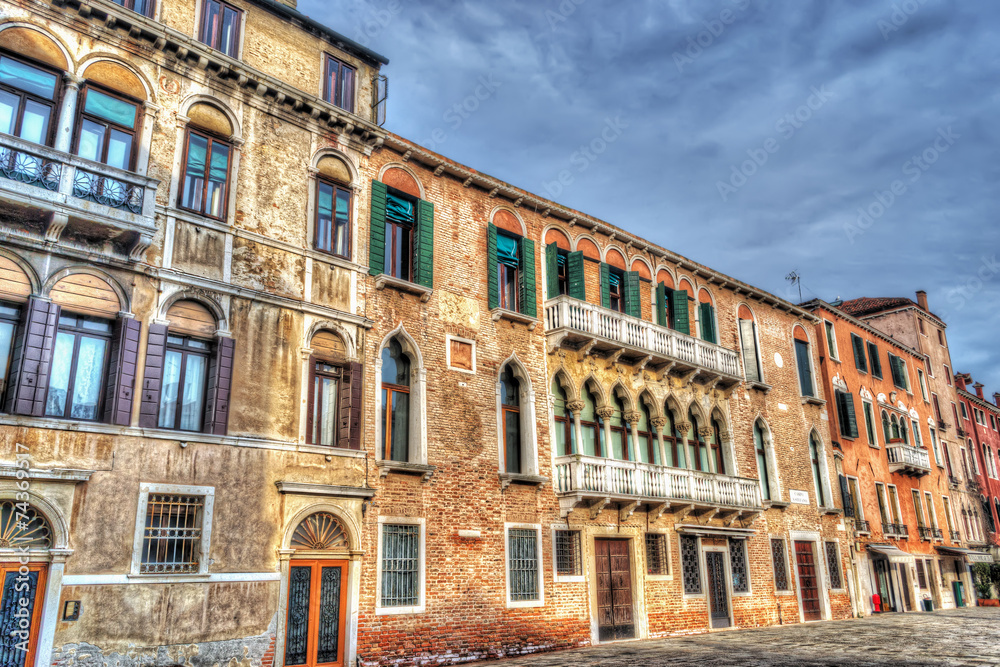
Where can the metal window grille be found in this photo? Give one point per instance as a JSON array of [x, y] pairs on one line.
[[689, 564], [400, 565], [833, 564], [568, 552], [657, 559], [522, 544], [780, 565], [921, 577], [171, 541], [738, 566]]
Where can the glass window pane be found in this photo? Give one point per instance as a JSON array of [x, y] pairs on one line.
[[512, 440], [88, 380], [94, 324], [589, 441], [9, 103], [343, 224], [62, 364], [91, 140], [119, 150], [218, 172], [347, 95], [327, 411], [324, 218], [169, 389], [211, 28], [6, 341], [110, 108], [228, 34], [400, 426], [27, 78], [384, 421], [35, 122], [332, 78], [389, 240], [193, 405], [194, 172]]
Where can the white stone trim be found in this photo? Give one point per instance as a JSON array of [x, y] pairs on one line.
[[125, 579], [726, 572], [447, 351], [206, 522], [526, 412], [421, 606], [540, 602], [670, 558], [566, 578], [822, 574]]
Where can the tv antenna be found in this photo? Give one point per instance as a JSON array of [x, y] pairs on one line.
[[795, 279]]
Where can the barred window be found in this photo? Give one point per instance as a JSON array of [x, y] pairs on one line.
[[522, 556], [568, 553], [171, 541], [833, 565], [689, 564], [921, 577], [657, 558], [400, 565], [780, 565], [738, 566]]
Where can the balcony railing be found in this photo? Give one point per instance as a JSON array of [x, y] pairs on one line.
[[956, 536], [896, 529], [581, 478], [908, 460], [937, 534], [862, 526], [72, 188], [925, 532], [584, 325]]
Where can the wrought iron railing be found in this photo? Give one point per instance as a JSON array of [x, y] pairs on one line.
[[862, 526], [592, 474], [956, 536], [565, 312], [108, 191], [30, 169], [937, 534], [908, 456], [925, 532]]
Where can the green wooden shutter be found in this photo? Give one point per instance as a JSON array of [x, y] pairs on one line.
[[679, 300], [707, 322], [605, 285], [860, 361], [574, 271], [423, 248], [661, 304], [551, 271], [805, 369], [633, 300], [492, 275], [529, 306], [848, 419], [376, 232], [874, 360]]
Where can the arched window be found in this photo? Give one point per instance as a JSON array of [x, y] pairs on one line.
[[565, 434], [886, 429], [207, 157], [28, 94], [395, 418], [759, 441], [621, 435], [715, 445], [803, 362], [699, 448], [334, 405], [895, 435], [672, 441], [816, 458], [591, 426], [333, 207], [647, 447], [510, 401]]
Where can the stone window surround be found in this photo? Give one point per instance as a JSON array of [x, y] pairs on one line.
[[418, 405], [145, 489], [518, 604], [421, 605], [526, 411], [567, 578]]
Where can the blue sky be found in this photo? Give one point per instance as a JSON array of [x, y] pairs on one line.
[[852, 141]]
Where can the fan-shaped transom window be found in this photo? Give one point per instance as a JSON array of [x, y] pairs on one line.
[[321, 530], [22, 526]]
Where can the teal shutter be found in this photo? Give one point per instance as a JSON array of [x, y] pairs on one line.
[[707, 322], [492, 275], [679, 304], [859, 353], [633, 300], [661, 304], [551, 271], [574, 271], [376, 232], [848, 419], [805, 369], [605, 285], [423, 248], [529, 306]]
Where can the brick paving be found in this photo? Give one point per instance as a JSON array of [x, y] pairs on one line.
[[954, 637]]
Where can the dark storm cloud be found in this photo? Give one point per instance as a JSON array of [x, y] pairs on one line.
[[700, 88]]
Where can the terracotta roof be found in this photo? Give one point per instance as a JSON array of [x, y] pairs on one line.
[[868, 305]]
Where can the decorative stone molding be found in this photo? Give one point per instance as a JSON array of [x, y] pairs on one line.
[[658, 422], [683, 427], [633, 416], [605, 412], [706, 431], [576, 407]]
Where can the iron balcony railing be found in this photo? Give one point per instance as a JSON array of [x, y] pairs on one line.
[[908, 459], [937, 534], [956, 536], [896, 529], [862, 526], [565, 313], [925, 532], [593, 475]]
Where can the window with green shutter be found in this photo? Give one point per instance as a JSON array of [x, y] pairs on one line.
[[707, 316], [859, 353], [662, 304], [874, 360], [492, 271], [845, 412], [575, 276], [605, 285], [401, 236], [376, 240], [679, 309], [898, 369], [805, 368], [423, 246], [552, 271], [633, 300], [510, 272], [527, 286]]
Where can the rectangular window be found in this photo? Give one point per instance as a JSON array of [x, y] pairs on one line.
[[27, 100], [965, 412], [615, 291], [562, 272], [400, 565], [870, 424], [804, 368], [523, 565], [220, 27], [690, 566], [846, 416], [400, 220], [874, 360], [931, 512], [923, 384], [894, 504], [748, 344], [921, 576], [947, 375], [897, 367], [568, 559], [831, 339], [79, 368], [657, 557], [917, 438], [172, 534], [106, 133], [10, 315], [947, 514], [738, 565], [144, 7], [324, 404], [205, 181], [993, 423], [940, 337], [883, 507], [920, 324], [339, 86], [185, 374], [937, 407], [833, 565], [935, 446], [780, 564], [854, 489], [333, 219], [508, 264], [860, 360], [918, 508]]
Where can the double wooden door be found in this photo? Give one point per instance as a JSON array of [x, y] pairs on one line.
[[615, 619], [317, 613], [20, 591], [808, 580], [718, 591], [883, 578]]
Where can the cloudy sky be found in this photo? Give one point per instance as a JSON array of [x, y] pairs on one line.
[[852, 141]]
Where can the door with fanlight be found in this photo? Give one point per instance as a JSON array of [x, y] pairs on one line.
[[22, 585]]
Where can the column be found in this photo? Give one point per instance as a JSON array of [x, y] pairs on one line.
[[605, 413], [575, 408], [632, 419], [683, 428], [67, 112], [658, 423]]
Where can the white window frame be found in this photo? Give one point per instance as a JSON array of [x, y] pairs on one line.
[[447, 351], [421, 606], [207, 510], [670, 558], [830, 331], [936, 446], [788, 569], [824, 471], [526, 412], [840, 567], [922, 381], [948, 516], [519, 604], [556, 577], [866, 407]]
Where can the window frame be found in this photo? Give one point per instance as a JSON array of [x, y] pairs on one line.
[[838, 563], [203, 29], [787, 574], [698, 557], [667, 573], [337, 188], [390, 237], [830, 332], [817, 459], [78, 333], [616, 292], [539, 558], [421, 606], [558, 576], [81, 115], [328, 95], [314, 385], [130, 5], [508, 274], [515, 410], [208, 510], [212, 140], [874, 361], [208, 354], [807, 347], [14, 320], [922, 381], [871, 429], [53, 104]]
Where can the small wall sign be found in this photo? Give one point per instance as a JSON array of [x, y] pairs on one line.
[[798, 497]]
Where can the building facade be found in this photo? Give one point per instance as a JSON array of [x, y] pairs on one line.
[[980, 423]]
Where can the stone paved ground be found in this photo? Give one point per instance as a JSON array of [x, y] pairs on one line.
[[951, 637]]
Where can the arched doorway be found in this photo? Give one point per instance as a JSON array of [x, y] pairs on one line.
[[22, 581], [316, 590]]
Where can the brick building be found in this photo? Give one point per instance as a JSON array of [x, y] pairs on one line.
[[980, 420]]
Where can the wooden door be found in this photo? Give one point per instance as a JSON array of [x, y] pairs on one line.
[[17, 649], [904, 582], [718, 592], [808, 580], [317, 613], [884, 584], [614, 590]]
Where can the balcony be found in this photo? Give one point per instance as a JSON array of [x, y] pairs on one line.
[[862, 527], [908, 460], [926, 533], [53, 194], [937, 534], [584, 327], [955, 536], [597, 482], [896, 530]]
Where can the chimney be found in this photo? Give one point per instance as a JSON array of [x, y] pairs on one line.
[[960, 381], [979, 390], [922, 300], [996, 398]]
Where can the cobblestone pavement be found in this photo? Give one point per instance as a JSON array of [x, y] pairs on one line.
[[950, 637]]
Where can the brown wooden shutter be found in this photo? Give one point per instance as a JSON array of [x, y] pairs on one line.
[[124, 358], [152, 377], [220, 379], [350, 407], [32, 357]]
